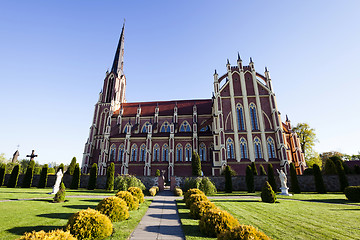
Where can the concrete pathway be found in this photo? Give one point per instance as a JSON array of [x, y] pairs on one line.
[[161, 221]]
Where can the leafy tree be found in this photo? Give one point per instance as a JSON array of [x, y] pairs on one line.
[[319, 182], [28, 175], [110, 174], [250, 179], [195, 164], [37, 170], [228, 179], [271, 177], [262, 170], [326, 155], [75, 181], [312, 158], [14, 176], [2, 173], [253, 167], [307, 137], [72, 166], [24, 163], [294, 180], [43, 176], [3, 158], [93, 177]]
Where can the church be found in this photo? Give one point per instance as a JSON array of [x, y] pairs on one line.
[[240, 124]]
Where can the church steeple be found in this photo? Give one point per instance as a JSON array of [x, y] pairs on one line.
[[118, 63]]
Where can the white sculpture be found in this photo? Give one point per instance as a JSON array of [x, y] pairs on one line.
[[59, 176], [283, 180]]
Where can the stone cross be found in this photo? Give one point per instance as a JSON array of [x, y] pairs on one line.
[[32, 156]]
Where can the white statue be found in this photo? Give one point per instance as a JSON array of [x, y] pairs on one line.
[[59, 176], [283, 180]]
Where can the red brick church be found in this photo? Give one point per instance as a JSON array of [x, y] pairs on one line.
[[238, 125]]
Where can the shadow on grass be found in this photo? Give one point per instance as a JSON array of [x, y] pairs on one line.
[[22, 230], [56, 215], [235, 200], [91, 200], [336, 201], [346, 209], [80, 207], [84, 190]]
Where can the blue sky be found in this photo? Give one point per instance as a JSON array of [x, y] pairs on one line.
[[54, 55]]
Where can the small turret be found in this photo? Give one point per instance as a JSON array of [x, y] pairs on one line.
[[228, 65], [251, 64]]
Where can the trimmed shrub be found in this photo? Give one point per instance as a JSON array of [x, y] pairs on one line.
[[357, 169], [89, 224], [51, 171], [93, 177], [347, 169], [319, 182], [43, 177], [253, 168], [75, 181], [228, 180], [308, 171], [250, 179], [57, 234], [243, 232], [14, 177], [157, 173], [271, 178], [195, 164], [190, 192], [110, 174], [267, 194], [202, 183], [152, 191], [60, 195], [27, 181], [295, 188], [341, 173], [37, 170], [262, 170], [122, 183], [71, 167], [2, 173], [329, 168], [137, 192], [115, 208], [198, 209], [216, 221], [178, 191], [131, 201], [61, 166], [353, 193], [195, 198]]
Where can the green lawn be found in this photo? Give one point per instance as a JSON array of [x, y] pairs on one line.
[[289, 219], [18, 217]]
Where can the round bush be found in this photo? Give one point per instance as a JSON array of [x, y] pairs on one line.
[[198, 209], [178, 191], [192, 191], [115, 208], [353, 193], [54, 234], [89, 224], [137, 192], [152, 191], [131, 201], [243, 232], [216, 221], [195, 198]]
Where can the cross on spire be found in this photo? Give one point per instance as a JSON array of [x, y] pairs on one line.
[[32, 156]]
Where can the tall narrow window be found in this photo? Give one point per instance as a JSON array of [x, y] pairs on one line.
[[126, 128], [142, 152], [165, 127], [254, 121], [165, 153], [185, 127], [179, 153], [211, 150], [271, 147], [257, 148], [109, 89], [145, 127], [156, 153], [240, 117], [202, 152], [121, 152], [230, 148], [133, 153], [112, 153], [243, 148], [188, 152]]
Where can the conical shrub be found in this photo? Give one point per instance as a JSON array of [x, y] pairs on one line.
[[2, 173], [250, 179], [294, 180], [262, 170], [27, 181], [271, 178], [267, 193], [228, 180], [14, 177], [110, 174], [93, 177], [319, 182], [43, 177], [75, 181], [60, 195], [253, 167]]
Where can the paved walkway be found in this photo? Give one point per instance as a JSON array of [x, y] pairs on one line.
[[161, 221]]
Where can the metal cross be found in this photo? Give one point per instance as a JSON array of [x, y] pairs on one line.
[[32, 156]]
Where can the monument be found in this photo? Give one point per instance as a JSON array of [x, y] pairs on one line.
[[283, 179], [15, 156], [32, 155], [59, 176]]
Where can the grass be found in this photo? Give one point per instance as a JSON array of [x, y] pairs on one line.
[[18, 217]]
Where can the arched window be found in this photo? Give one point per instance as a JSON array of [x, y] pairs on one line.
[[185, 127], [126, 128], [254, 122], [202, 152], [145, 127], [205, 129], [121, 152], [156, 153], [112, 153], [133, 153], [188, 152], [257, 147], [240, 117], [165, 153], [271, 147], [142, 152], [243, 148], [230, 148], [179, 150], [165, 127]]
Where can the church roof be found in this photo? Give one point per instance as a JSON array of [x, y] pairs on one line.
[[166, 108]]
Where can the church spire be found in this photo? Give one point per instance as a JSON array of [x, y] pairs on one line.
[[118, 63]]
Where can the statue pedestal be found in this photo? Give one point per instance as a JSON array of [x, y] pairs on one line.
[[284, 191]]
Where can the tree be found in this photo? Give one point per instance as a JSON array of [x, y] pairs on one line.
[[75, 181], [326, 155], [250, 179], [28, 175], [14, 177], [72, 166], [93, 177], [319, 182], [341, 173], [3, 158], [271, 177], [329, 168], [110, 174], [307, 137], [313, 157], [196, 164], [43, 176], [253, 167], [228, 180], [294, 180]]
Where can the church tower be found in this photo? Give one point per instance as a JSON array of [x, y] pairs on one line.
[[111, 97]]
